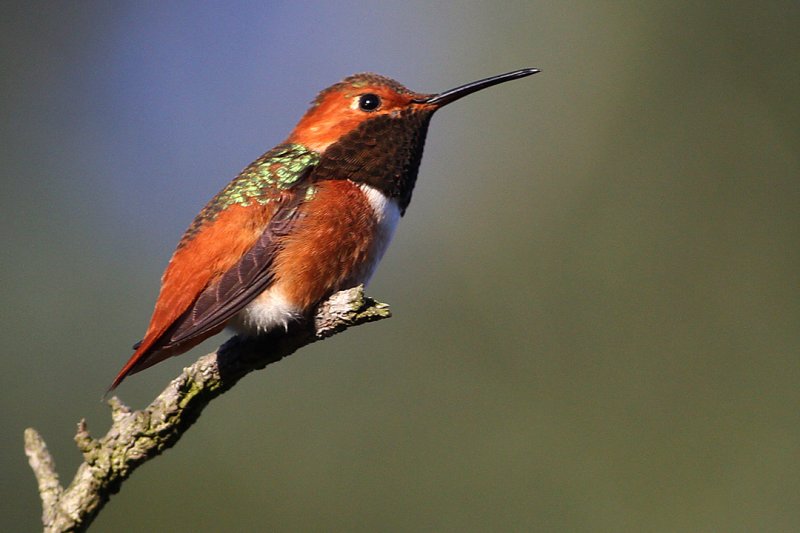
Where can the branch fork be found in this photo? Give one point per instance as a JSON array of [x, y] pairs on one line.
[[137, 436]]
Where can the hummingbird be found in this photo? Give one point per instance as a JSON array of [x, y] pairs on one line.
[[310, 217]]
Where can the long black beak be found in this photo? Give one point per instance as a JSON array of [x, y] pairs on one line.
[[459, 92]]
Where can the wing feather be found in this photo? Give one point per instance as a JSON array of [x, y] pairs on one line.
[[223, 260], [248, 278]]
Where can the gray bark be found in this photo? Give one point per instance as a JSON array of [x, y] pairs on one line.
[[137, 436]]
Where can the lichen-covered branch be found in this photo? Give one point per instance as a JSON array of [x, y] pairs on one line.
[[137, 436]]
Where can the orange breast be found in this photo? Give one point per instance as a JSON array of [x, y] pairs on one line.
[[332, 247]]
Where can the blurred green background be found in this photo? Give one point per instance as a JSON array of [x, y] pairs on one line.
[[596, 287]]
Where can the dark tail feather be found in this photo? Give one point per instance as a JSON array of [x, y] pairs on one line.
[[141, 359], [127, 370]]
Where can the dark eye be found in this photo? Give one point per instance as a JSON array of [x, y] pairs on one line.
[[369, 102]]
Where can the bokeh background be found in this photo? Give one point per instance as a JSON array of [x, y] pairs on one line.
[[596, 286]]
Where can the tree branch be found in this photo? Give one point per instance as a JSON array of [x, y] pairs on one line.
[[137, 436]]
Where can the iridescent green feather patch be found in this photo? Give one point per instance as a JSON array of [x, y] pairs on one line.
[[262, 182]]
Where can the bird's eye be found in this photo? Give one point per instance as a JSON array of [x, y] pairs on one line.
[[369, 102]]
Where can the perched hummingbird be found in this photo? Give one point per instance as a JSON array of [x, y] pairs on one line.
[[312, 216]]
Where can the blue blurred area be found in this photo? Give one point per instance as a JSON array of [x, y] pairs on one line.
[[595, 287]]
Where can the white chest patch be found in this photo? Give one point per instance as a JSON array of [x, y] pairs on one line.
[[387, 215]]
